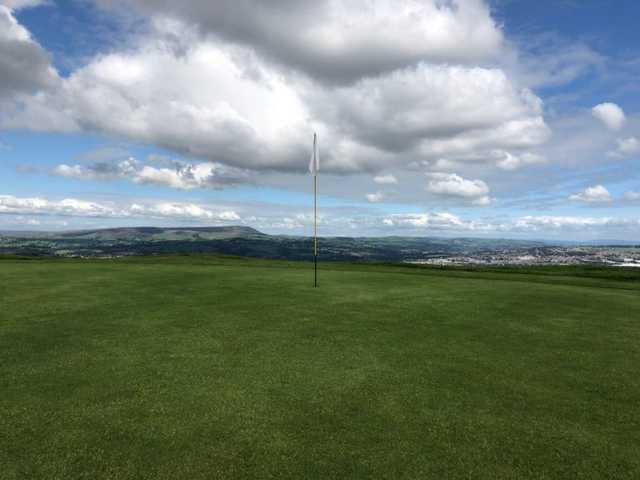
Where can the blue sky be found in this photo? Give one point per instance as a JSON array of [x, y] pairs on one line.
[[436, 118]]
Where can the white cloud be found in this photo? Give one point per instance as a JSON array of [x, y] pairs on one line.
[[76, 171], [180, 175], [387, 179], [547, 223], [155, 95], [453, 185], [626, 147], [433, 111], [596, 194], [98, 171], [81, 208], [69, 206], [610, 115], [207, 98], [509, 161], [502, 159], [544, 225], [436, 221], [18, 4], [202, 175], [343, 41], [632, 196], [482, 201], [375, 197], [182, 210], [24, 65]]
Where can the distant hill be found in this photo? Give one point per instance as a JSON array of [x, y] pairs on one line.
[[244, 241], [159, 233]]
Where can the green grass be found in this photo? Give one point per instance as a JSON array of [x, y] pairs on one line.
[[204, 367]]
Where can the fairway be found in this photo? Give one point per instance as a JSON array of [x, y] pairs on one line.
[[204, 367]]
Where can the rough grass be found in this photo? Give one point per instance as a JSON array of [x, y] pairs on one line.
[[204, 367]]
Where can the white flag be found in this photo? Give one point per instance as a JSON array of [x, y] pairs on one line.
[[314, 163]]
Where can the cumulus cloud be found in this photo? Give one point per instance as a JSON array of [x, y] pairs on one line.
[[542, 225], [502, 159], [343, 41], [482, 201], [182, 210], [81, 208], [568, 223], [632, 196], [510, 161], [18, 4], [98, 171], [158, 97], [69, 206], [436, 221], [610, 114], [387, 179], [375, 197], [214, 99], [437, 109], [453, 185], [179, 175], [24, 64], [596, 194], [202, 175], [626, 147]]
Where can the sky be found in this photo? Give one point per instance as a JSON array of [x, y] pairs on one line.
[[448, 118]]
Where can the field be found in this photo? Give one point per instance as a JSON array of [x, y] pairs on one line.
[[205, 367]]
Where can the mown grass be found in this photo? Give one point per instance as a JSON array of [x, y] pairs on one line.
[[209, 367]]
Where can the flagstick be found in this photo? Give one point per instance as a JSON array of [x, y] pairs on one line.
[[315, 230], [313, 168]]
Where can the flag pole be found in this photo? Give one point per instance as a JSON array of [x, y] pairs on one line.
[[315, 214]]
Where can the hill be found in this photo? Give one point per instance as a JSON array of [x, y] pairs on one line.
[[160, 234], [244, 241], [206, 367]]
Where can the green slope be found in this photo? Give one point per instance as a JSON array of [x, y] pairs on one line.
[[201, 367]]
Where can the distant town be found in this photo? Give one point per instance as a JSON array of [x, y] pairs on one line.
[[615, 256]]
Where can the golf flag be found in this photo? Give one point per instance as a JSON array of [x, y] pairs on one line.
[[314, 162]]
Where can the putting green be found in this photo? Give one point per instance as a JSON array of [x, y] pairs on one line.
[[200, 367]]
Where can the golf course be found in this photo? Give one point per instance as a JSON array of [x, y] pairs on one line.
[[206, 367]]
